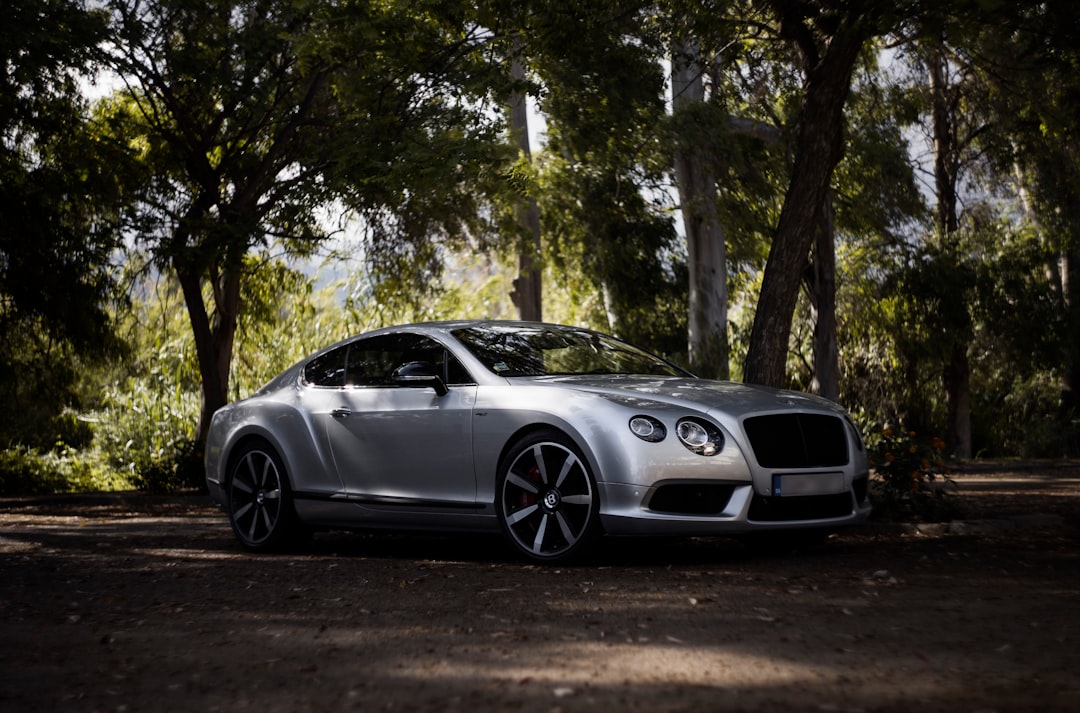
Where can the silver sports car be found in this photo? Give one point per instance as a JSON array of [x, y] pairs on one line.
[[552, 434]]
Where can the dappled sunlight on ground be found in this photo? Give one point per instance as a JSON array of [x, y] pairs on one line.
[[116, 604]]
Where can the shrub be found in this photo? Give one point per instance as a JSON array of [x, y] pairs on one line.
[[30, 471], [910, 477]]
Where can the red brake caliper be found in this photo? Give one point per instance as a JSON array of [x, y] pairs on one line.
[[529, 498]]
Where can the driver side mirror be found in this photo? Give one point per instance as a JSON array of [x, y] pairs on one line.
[[421, 374]]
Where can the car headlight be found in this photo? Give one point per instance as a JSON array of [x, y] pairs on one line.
[[700, 436], [648, 429]]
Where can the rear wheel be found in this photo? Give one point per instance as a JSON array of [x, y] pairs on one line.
[[259, 501], [547, 502]]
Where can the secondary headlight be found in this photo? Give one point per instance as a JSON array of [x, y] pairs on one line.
[[648, 428], [700, 436]]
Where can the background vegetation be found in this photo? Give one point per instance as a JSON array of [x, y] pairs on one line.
[[195, 195]]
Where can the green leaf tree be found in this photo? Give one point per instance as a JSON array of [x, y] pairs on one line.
[[57, 227], [248, 118], [830, 38], [600, 179], [1031, 58]]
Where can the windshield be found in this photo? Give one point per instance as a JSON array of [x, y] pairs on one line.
[[513, 350]]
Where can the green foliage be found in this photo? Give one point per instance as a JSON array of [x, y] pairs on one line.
[[910, 477], [145, 416], [243, 124], [614, 260], [144, 426], [56, 225], [29, 471]]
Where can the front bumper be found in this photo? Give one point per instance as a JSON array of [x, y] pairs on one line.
[[634, 510]]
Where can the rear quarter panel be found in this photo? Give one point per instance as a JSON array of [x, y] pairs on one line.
[[278, 421]]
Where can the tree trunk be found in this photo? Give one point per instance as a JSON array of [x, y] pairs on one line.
[[214, 338], [707, 262], [958, 389], [957, 374], [1070, 289], [527, 295], [826, 381], [819, 148]]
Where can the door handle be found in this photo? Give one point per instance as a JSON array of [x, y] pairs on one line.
[[341, 413]]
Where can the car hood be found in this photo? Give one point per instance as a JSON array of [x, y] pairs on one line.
[[726, 396]]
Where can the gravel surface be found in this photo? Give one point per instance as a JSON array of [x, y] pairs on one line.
[[128, 602]]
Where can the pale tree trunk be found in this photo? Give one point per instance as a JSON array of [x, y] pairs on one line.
[[826, 381], [1054, 268], [614, 324], [957, 374], [696, 182], [527, 295], [214, 337]]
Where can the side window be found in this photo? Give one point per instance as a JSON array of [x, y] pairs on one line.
[[372, 361], [327, 370]]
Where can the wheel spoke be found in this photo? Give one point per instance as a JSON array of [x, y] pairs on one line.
[[567, 466], [522, 483], [267, 520], [254, 524], [521, 514], [568, 535], [241, 485], [267, 472], [243, 511], [272, 495], [538, 541], [582, 499], [538, 455], [250, 462]]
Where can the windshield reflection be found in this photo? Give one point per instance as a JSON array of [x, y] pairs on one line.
[[558, 351]]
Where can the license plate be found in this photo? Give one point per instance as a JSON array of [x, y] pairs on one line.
[[795, 485]]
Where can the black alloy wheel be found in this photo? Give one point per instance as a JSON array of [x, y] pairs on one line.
[[259, 505], [547, 501]]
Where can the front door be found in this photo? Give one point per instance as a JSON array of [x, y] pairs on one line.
[[403, 444]]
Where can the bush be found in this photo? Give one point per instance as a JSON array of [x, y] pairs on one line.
[[179, 468], [30, 471], [910, 477]]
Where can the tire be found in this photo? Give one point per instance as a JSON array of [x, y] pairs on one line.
[[546, 498], [259, 501]]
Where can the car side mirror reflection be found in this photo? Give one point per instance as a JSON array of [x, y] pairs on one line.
[[420, 374]]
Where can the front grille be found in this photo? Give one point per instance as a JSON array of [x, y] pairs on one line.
[[809, 507], [797, 440], [692, 498]]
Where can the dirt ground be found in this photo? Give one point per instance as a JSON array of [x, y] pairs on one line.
[[138, 603]]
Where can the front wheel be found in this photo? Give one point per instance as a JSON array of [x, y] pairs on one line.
[[259, 505], [547, 502]]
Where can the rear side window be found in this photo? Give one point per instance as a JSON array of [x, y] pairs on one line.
[[327, 370]]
